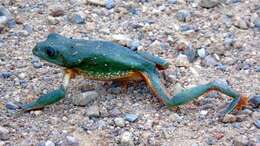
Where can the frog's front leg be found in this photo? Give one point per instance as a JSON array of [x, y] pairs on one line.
[[51, 97], [190, 94]]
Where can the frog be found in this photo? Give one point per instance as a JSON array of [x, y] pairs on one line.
[[108, 61]]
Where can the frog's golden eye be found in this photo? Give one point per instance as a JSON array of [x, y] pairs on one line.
[[50, 52]]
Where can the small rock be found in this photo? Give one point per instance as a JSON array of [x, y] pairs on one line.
[[4, 133], [11, 106], [183, 15], [209, 3], [254, 100], [134, 45], [78, 18], [22, 75], [211, 141], [172, 1], [131, 117], [121, 39], [49, 143], [233, 1], [240, 141], [57, 10], [93, 111], [127, 139], [177, 88], [186, 28], [97, 2], [257, 22], [6, 74], [174, 117], [52, 20], [194, 144], [241, 23], [120, 122], [209, 60], [256, 115], [72, 140], [201, 52], [115, 112], [203, 112], [85, 98], [228, 118], [28, 28], [36, 62], [6, 17], [110, 4], [257, 124], [182, 61]]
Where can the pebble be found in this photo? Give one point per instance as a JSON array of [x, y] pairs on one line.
[[127, 139], [209, 3], [172, 1], [257, 124], [186, 28], [10, 105], [115, 112], [4, 133], [57, 11], [183, 15], [28, 28], [121, 39], [240, 23], [6, 74], [182, 61], [85, 98], [134, 45], [229, 118], [256, 115], [6, 17], [210, 61], [174, 117], [98, 2], [131, 117], [240, 141], [255, 101], [52, 20], [78, 18], [257, 22], [49, 143], [201, 52], [211, 141], [72, 141], [120, 122], [93, 111], [110, 4], [177, 88], [36, 62]]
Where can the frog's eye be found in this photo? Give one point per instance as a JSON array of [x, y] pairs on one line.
[[50, 52]]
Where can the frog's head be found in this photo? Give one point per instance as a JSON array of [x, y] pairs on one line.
[[55, 49]]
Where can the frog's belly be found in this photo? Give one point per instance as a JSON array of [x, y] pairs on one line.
[[130, 75]]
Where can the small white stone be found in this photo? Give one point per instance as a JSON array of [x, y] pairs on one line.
[[49, 143]]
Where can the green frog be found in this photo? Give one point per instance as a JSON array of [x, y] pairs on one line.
[[108, 61]]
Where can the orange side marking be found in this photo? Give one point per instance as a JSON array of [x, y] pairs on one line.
[[72, 72], [243, 102], [150, 85]]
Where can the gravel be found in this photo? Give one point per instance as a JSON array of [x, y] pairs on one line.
[[85, 98], [4, 133]]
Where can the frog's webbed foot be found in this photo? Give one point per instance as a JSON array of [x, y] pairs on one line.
[[51, 97], [44, 100], [188, 95]]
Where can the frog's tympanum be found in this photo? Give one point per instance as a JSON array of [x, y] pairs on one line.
[[107, 61]]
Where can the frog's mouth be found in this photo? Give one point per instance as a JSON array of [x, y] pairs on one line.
[[35, 52]]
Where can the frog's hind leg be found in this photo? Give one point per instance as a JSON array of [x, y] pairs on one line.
[[190, 94], [161, 64], [51, 97]]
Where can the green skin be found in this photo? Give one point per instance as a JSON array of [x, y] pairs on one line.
[[103, 60]]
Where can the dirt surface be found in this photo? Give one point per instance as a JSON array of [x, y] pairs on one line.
[[203, 40]]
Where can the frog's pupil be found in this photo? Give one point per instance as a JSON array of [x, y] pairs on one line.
[[50, 52]]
